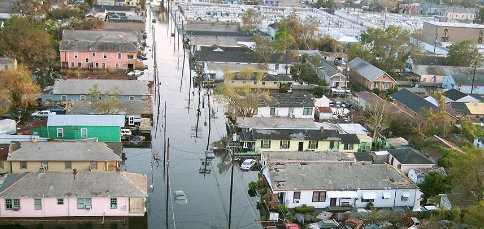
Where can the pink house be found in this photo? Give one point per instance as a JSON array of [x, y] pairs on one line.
[[66, 194], [98, 49]]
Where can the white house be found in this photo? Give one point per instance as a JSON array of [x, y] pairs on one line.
[[342, 185], [463, 83], [454, 95], [408, 158], [418, 175], [479, 142], [67, 194], [287, 105]]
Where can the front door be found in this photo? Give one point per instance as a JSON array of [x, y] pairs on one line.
[[300, 148], [332, 202]]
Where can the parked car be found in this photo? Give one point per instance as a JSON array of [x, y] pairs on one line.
[[56, 108], [137, 140], [291, 226], [180, 197], [135, 73], [125, 132], [247, 164], [141, 57], [42, 114], [209, 155], [154, 20]]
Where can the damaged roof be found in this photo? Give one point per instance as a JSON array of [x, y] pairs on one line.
[[316, 135]]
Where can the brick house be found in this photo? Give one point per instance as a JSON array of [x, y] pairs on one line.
[[369, 76]]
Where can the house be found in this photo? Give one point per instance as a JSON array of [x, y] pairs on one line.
[[369, 76], [97, 13], [287, 105], [324, 113], [8, 64], [246, 124], [271, 30], [4, 165], [100, 194], [106, 128], [441, 149], [430, 67], [275, 157], [396, 143], [408, 158], [409, 8], [479, 143], [461, 14], [111, 8], [454, 95], [98, 49], [466, 83], [64, 91], [344, 186], [332, 76], [418, 175], [55, 156], [267, 81], [476, 111]]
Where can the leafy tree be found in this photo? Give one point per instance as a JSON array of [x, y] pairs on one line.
[[475, 215], [318, 91], [327, 44], [104, 103], [33, 8], [30, 45], [90, 3], [469, 130], [284, 42], [480, 16], [377, 117], [437, 122], [304, 73], [250, 20], [435, 183], [357, 50], [263, 48], [65, 13], [86, 24], [18, 91], [303, 33], [325, 4], [463, 54], [322, 82], [467, 171]]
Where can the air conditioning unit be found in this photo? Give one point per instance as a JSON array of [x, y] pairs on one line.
[[88, 207], [15, 208], [296, 201]]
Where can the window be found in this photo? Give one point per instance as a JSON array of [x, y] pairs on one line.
[[87, 60], [319, 196], [97, 65], [263, 82], [119, 56], [114, 203], [297, 195], [116, 65], [76, 54], [84, 203], [23, 165], [313, 144], [93, 54], [83, 132], [105, 55], [285, 144], [130, 57], [60, 201], [37, 204], [265, 144], [275, 82], [72, 64], [63, 97], [307, 111], [346, 147], [367, 200], [331, 145], [277, 67], [44, 164], [11, 204], [131, 98], [93, 164], [82, 97], [79, 64], [60, 132], [350, 146], [68, 165], [2, 165], [273, 111]]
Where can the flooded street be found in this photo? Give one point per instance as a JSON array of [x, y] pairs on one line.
[[207, 191]]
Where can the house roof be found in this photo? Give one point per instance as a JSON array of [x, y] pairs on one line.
[[412, 101], [409, 156], [466, 79], [294, 134], [440, 70], [475, 108], [275, 123], [85, 184], [219, 33], [305, 156], [365, 69], [98, 40], [85, 120], [327, 69], [115, 8], [118, 87], [428, 59], [126, 107], [369, 97], [363, 156], [63, 151], [460, 107], [212, 26], [454, 94], [353, 128], [325, 110], [222, 41], [234, 54], [289, 100], [337, 176]]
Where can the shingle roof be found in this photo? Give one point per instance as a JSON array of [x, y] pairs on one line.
[[5, 60], [294, 134], [86, 184], [363, 156], [337, 176], [428, 59], [466, 79], [306, 156], [289, 100], [98, 40], [115, 8], [86, 120], [365, 69], [460, 108], [63, 151], [327, 69], [275, 123], [454, 94], [412, 101], [409, 156], [219, 33], [235, 54], [127, 107], [118, 87]]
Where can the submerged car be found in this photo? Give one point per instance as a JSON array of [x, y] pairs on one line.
[[135, 73], [180, 197], [137, 140], [154, 20], [247, 164], [209, 155]]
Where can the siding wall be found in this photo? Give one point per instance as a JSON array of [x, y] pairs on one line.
[[110, 62], [59, 166], [283, 112], [103, 133], [294, 145]]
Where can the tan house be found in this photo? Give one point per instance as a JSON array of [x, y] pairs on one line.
[[267, 82], [369, 76], [61, 157]]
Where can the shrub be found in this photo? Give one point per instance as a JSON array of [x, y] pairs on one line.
[[253, 185], [376, 91], [266, 197], [318, 91], [305, 209], [322, 82], [369, 206]]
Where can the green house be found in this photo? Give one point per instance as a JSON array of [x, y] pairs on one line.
[[106, 128]]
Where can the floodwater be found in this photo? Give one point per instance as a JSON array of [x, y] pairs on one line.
[[207, 193]]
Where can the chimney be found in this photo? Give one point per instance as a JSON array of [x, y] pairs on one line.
[[74, 171]]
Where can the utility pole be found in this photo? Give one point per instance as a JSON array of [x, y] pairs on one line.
[[164, 146], [209, 113], [232, 149], [167, 182]]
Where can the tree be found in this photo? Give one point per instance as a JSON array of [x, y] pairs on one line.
[[326, 4], [104, 103], [376, 116], [284, 42], [467, 171], [437, 122], [90, 3], [18, 91], [263, 48], [475, 215], [86, 24], [303, 33], [469, 130], [480, 16], [318, 91], [463, 53], [327, 44], [65, 13], [32, 8], [357, 50], [30, 45], [250, 20], [434, 183]]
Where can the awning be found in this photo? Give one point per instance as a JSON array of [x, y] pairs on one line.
[[369, 195], [387, 195], [406, 194], [342, 194]]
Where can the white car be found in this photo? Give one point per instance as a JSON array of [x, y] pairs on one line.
[[247, 164], [125, 132], [135, 73], [180, 197], [43, 114]]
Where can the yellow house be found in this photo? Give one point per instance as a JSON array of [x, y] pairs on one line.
[[267, 82], [4, 165], [61, 157], [304, 140]]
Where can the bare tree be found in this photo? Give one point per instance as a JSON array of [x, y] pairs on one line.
[[104, 103]]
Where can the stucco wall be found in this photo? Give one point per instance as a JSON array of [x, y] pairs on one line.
[[59, 166], [294, 145], [283, 112], [109, 62]]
